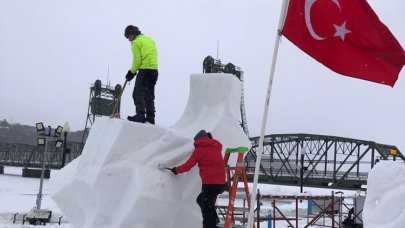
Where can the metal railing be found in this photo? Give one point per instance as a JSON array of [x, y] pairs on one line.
[[29, 156]]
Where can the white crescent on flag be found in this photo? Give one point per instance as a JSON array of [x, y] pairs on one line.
[[308, 6]]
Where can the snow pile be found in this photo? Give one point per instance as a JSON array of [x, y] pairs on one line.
[[116, 183], [385, 201]]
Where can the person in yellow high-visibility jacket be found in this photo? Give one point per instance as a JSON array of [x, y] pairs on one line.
[[145, 67]]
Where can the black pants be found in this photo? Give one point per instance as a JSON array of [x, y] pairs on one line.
[[144, 92], [206, 200]]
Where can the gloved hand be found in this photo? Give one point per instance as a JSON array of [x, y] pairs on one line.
[[173, 170], [130, 75]]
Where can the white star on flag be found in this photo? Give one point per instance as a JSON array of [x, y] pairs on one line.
[[341, 31]]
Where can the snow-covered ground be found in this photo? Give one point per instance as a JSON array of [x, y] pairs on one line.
[[18, 195]]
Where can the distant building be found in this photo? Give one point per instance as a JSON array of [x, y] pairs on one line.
[[4, 124]]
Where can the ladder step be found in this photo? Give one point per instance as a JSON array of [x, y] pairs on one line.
[[232, 225], [240, 189], [235, 213], [237, 209], [239, 195], [241, 209], [239, 165]]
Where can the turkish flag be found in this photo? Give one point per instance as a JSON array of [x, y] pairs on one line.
[[345, 36]]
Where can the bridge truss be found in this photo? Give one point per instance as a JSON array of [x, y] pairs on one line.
[[328, 161]]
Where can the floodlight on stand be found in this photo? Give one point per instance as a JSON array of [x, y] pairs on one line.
[[58, 131], [59, 143], [41, 141], [66, 128], [40, 127]]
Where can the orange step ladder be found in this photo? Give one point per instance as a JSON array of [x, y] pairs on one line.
[[233, 175]]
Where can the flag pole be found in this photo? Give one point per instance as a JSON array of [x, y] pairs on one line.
[[266, 109]]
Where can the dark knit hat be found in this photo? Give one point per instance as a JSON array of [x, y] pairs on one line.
[[131, 30], [200, 134]]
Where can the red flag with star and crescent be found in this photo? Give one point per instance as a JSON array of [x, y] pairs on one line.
[[347, 37]]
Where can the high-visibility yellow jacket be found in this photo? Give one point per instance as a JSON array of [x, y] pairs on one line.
[[144, 53]]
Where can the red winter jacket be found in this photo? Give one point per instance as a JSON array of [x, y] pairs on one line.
[[207, 154]]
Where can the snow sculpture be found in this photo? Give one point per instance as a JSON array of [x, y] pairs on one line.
[[385, 200], [116, 183]]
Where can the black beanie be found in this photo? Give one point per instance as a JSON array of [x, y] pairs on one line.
[[131, 30], [200, 134]]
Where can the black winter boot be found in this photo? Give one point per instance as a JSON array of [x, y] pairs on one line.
[[150, 120], [140, 118]]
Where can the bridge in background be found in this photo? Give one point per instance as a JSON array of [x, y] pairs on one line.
[[328, 161], [318, 160]]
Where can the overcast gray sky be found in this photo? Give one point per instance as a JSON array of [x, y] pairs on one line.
[[52, 51]]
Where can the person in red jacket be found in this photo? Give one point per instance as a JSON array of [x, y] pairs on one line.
[[208, 155]]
